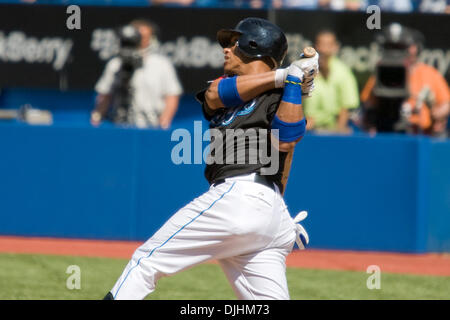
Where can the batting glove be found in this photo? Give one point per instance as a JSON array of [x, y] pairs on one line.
[[301, 236], [307, 83], [292, 70], [310, 68], [306, 69], [308, 87]]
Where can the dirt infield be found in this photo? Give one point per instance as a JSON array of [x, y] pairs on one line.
[[423, 264]]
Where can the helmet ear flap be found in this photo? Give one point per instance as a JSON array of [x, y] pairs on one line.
[[253, 44]]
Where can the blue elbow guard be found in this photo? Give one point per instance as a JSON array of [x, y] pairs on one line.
[[289, 132], [228, 92]]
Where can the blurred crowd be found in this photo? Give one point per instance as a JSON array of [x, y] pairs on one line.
[[140, 86], [403, 95], [430, 6]]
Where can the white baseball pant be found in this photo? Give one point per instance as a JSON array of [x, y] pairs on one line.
[[242, 224]]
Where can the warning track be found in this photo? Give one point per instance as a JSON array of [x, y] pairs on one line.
[[421, 264]]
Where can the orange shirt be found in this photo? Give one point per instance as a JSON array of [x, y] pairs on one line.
[[422, 75], [419, 76]]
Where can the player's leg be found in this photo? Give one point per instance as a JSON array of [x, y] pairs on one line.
[[234, 218], [204, 229], [258, 276], [262, 274]]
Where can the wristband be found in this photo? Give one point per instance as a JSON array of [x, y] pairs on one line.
[[292, 90]]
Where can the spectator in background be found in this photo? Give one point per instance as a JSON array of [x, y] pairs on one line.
[[150, 97], [301, 4], [428, 92], [320, 4], [435, 6], [172, 2], [194, 3], [393, 5], [342, 4], [336, 89]]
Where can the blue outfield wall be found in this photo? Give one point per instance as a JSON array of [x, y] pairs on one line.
[[389, 193]]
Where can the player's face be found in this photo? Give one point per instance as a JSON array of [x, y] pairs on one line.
[[233, 60]]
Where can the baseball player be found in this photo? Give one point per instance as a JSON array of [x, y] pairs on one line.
[[242, 220]]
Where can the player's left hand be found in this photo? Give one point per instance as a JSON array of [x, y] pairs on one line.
[[308, 87], [302, 238]]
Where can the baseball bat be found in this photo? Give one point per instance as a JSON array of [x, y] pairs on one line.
[[308, 52]]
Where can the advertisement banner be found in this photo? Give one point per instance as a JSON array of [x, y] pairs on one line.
[[358, 47], [37, 49]]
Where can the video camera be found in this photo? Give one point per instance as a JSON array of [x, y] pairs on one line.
[[130, 40], [131, 59], [391, 84]]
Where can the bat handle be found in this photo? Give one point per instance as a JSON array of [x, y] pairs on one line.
[[309, 52]]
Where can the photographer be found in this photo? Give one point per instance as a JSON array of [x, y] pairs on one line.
[[139, 87], [405, 95]]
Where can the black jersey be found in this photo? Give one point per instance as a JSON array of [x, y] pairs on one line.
[[241, 133]]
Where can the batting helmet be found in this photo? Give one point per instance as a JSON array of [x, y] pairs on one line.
[[257, 38]]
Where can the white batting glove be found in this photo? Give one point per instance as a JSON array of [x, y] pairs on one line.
[[281, 75], [306, 69], [307, 83], [310, 69], [308, 87], [301, 236], [309, 66]]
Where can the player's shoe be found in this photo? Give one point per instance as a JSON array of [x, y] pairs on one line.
[[109, 296]]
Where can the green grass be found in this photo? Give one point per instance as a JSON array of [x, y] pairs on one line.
[[25, 276]]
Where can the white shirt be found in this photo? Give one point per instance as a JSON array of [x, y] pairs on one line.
[[150, 83]]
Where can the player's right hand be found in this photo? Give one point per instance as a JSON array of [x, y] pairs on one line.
[[305, 68]]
